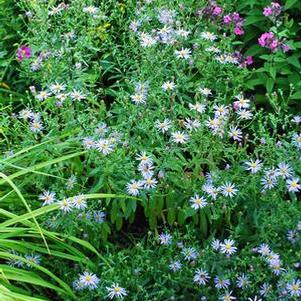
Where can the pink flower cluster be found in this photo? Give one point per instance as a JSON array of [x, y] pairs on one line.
[[212, 10], [243, 61], [236, 20], [269, 40], [273, 10], [23, 52]]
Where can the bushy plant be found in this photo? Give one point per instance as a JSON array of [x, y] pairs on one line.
[[136, 128]]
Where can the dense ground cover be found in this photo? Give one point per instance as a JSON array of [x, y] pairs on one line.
[[150, 150]]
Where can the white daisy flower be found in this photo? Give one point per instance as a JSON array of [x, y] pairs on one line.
[[168, 86], [201, 277], [133, 187], [227, 247], [253, 166], [179, 137], [228, 189], [89, 280], [293, 185], [198, 202], [48, 197], [116, 291], [163, 126], [184, 53]]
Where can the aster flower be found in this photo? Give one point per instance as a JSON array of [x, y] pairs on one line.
[[241, 103], [294, 288], [168, 86], [89, 142], [104, 146], [268, 183], [216, 244], [57, 88], [201, 277], [201, 108], [165, 239], [77, 95], [206, 35], [133, 187], [66, 205], [33, 259], [227, 247], [42, 95], [144, 158], [221, 283], [149, 183], [189, 253], [36, 126], [138, 98], [265, 288], [116, 291], [227, 297], [242, 281], [163, 126], [89, 280], [205, 91], [184, 53], [99, 216], [284, 170], [179, 137], [175, 265], [244, 114], [293, 185], [228, 189], [48, 197], [92, 10], [293, 236], [253, 166], [146, 169], [182, 33], [254, 299], [79, 202], [235, 133], [191, 124], [198, 202]]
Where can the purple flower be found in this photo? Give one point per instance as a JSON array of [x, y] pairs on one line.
[[236, 20], [217, 11], [272, 11], [269, 40], [227, 19], [239, 31], [23, 52]]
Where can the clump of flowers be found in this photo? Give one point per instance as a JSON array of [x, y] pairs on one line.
[[23, 52], [212, 10], [235, 20], [273, 10]]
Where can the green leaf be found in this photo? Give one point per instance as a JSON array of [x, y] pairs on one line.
[[293, 60], [269, 85], [290, 3], [254, 19], [296, 95]]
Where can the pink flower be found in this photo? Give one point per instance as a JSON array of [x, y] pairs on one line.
[[236, 20], [274, 10], [249, 60], [23, 52], [267, 11], [238, 31], [269, 40], [227, 19], [285, 48], [217, 11]]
